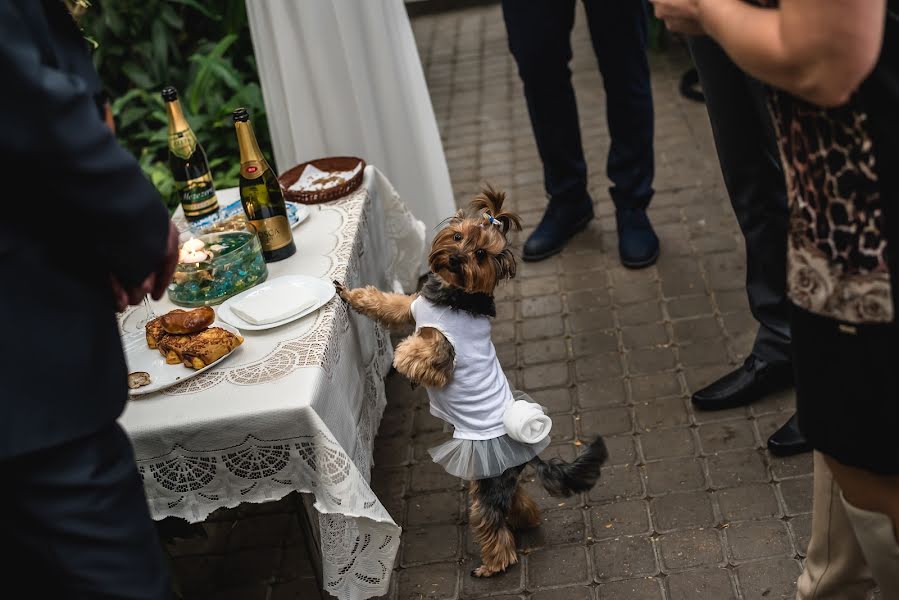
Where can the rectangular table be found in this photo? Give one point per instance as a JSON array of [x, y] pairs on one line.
[[296, 408]]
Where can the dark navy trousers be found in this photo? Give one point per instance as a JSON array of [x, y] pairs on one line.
[[750, 164], [540, 40], [75, 524]]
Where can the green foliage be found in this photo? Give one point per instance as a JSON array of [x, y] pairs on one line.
[[657, 36], [204, 50]]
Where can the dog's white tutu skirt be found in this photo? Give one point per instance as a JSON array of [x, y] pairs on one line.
[[481, 459]]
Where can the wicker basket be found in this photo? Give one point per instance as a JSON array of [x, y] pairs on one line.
[[331, 164]]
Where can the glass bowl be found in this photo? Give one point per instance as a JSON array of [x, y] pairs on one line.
[[234, 265]]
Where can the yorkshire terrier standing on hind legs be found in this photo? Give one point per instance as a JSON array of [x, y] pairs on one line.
[[496, 432]]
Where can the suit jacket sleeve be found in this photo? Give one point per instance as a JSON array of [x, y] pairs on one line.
[[52, 126]]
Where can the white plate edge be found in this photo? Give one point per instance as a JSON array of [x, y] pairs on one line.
[[243, 325], [191, 373]]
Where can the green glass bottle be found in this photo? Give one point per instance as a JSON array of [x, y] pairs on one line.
[[187, 160], [261, 195]]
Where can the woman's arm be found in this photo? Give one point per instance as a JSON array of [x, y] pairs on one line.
[[819, 50]]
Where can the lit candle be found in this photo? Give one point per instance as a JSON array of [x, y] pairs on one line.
[[192, 257], [193, 245]]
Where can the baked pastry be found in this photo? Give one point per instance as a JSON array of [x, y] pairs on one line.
[[182, 322], [155, 332], [138, 379], [172, 347], [208, 346]]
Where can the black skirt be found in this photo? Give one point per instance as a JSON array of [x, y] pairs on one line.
[[847, 390]]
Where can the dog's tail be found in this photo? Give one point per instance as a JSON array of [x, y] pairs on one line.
[[560, 478]]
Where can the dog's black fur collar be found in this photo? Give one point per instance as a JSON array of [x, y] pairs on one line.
[[478, 304]]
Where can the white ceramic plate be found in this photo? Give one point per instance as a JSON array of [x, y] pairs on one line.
[[229, 205], [321, 289], [297, 213], [141, 357]]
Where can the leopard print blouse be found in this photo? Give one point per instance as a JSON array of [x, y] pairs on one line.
[[837, 248]]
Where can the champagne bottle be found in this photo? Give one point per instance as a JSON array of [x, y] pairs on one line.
[[260, 194], [187, 160]]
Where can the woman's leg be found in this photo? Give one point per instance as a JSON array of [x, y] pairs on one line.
[[872, 505], [835, 568]]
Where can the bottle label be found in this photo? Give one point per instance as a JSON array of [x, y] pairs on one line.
[[274, 232], [183, 144], [197, 196], [253, 169]]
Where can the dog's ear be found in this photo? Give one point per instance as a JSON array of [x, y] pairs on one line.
[[505, 264], [491, 200], [458, 217], [453, 220]]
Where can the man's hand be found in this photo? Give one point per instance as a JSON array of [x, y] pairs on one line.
[[125, 298], [680, 16], [156, 283], [160, 280]]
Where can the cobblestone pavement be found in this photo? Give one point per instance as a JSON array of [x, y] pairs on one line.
[[691, 506]]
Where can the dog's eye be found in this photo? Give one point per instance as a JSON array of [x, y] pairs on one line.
[[457, 237], [480, 254]]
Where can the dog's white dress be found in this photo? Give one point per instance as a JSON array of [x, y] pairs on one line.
[[475, 399]]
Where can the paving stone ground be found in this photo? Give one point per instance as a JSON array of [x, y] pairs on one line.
[[691, 505]]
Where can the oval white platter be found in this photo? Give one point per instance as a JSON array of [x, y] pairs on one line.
[[141, 357], [322, 290]]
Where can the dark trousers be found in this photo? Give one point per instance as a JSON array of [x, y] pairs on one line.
[[750, 163], [540, 40], [75, 524]]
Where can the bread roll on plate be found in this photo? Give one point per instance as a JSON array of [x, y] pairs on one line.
[[182, 322], [208, 346], [173, 346], [155, 332]]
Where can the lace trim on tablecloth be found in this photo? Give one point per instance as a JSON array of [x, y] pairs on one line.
[[358, 537], [406, 243]]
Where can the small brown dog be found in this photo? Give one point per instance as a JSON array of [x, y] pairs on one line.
[[451, 354]]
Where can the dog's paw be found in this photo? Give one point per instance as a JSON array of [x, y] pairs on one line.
[[357, 299], [484, 571], [417, 370], [499, 566], [432, 377], [407, 367], [423, 361]]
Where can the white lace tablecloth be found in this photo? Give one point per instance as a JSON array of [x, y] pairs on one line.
[[295, 408]]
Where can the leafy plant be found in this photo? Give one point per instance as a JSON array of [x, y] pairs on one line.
[[204, 50], [658, 37]]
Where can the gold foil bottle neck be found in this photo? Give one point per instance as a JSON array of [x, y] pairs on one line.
[[252, 162], [177, 122]]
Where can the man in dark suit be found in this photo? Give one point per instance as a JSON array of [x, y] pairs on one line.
[[747, 152], [79, 221], [540, 40]]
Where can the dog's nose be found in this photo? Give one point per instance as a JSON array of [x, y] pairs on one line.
[[454, 261]]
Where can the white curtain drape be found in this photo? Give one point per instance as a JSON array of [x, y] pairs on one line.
[[343, 77]]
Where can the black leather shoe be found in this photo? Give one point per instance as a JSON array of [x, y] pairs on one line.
[[560, 222], [755, 379], [788, 440], [638, 245]]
